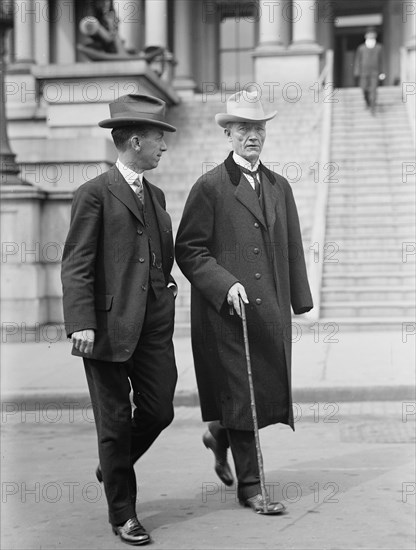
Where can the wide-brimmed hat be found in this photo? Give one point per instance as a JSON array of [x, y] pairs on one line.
[[243, 107], [132, 109]]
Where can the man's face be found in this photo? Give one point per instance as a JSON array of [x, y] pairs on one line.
[[247, 139], [370, 39], [150, 150]]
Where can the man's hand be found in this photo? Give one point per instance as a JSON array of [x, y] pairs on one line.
[[83, 340], [233, 297]]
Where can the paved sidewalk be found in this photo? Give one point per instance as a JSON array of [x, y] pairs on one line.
[[326, 366], [348, 482]]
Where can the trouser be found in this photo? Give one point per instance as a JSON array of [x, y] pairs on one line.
[[368, 84], [243, 448], [122, 437]]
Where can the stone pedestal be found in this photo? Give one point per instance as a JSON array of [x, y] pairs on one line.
[[34, 225], [300, 67]]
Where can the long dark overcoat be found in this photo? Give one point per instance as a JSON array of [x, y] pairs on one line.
[[105, 264], [226, 237]]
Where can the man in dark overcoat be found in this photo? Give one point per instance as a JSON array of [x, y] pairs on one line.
[[368, 67], [239, 238], [118, 297]]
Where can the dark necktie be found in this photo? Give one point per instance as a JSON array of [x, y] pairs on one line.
[[254, 175], [138, 189]]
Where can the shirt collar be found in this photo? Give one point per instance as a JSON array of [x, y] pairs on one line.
[[245, 163], [128, 174]]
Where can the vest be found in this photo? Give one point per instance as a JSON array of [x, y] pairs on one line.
[[151, 232]]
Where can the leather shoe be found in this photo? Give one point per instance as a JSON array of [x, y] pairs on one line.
[[132, 532], [256, 504], [222, 468]]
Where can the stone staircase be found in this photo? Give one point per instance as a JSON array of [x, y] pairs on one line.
[[291, 148], [369, 267]]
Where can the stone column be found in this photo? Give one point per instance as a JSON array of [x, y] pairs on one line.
[[408, 10], [156, 23], [24, 19], [273, 25], [130, 16], [42, 33], [64, 19], [303, 17], [183, 46], [300, 61]]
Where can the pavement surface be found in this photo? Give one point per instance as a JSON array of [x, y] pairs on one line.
[[347, 474], [327, 364], [348, 482]]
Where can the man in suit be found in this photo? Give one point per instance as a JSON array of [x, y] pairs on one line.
[[118, 298], [239, 238], [368, 67]]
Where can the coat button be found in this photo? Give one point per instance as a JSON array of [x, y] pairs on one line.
[[144, 287], [140, 232], [258, 275], [141, 260], [256, 250], [256, 224], [258, 301]]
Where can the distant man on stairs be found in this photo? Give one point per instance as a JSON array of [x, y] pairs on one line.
[[368, 67]]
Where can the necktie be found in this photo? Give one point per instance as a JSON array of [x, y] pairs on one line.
[[254, 175], [138, 189]]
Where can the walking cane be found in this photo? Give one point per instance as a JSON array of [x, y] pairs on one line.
[[253, 410]]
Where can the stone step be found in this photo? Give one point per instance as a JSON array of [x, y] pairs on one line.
[[369, 209], [370, 241], [182, 316], [369, 278], [361, 324], [372, 192], [374, 220], [371, 200], [365, 265], [346, 253], [370, 294], [339, 310]]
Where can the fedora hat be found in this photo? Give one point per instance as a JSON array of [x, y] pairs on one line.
[[137, 109], [243, 107]]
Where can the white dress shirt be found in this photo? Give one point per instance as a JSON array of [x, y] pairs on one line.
[[131, 176], [246, 164], [128, 174]]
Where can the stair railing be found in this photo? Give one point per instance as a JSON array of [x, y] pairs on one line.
[[408, 95], [317, 244]]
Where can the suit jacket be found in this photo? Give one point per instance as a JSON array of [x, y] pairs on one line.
[[105, 265], [225, 237], [368, 61]]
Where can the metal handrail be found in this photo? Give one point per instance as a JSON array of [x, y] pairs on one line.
[[410, 100], [315, 268]]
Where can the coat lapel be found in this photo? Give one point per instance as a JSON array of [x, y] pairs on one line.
[[271, 199], [246, 195], [122, 191]]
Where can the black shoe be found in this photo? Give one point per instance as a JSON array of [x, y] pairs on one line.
[[222, 468], [99, 474], [132, 532], [256, 504]]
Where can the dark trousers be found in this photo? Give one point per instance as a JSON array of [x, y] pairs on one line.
[[243, 448], [369, 83], [122, 437]]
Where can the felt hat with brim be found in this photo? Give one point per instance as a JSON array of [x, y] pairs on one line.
[[132, 109], [243, 107]]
